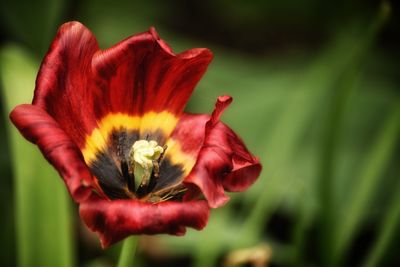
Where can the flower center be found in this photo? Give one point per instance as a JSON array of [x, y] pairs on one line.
[[144, 159]]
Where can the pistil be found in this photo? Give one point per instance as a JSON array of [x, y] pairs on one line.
[[144, 159]]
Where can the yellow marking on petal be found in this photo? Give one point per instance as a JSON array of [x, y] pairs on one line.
[[149, 122], [177, 156]]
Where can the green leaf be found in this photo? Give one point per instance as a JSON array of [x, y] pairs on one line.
[[309, 94], [43, 218], [375, 163], [7, 207], [386, 231]]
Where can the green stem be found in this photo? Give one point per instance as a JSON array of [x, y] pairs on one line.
[[128, 251], [206, 257]]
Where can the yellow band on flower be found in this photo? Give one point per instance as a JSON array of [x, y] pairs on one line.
[[187, 161], [149, 122]]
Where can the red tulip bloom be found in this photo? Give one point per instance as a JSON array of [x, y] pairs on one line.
[[112, 123]]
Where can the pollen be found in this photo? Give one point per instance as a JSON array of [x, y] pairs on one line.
[[144, 159]]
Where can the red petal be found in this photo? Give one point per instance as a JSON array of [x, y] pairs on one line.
[[78, 84], [223, 161], [58, 148], [142, 74], [190, 132], [63, 85], [117, 219]]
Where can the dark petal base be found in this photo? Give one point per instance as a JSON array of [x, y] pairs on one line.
[[115, 176]]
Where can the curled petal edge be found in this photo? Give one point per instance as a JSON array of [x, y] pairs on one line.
[[117, 219], [223, 161]]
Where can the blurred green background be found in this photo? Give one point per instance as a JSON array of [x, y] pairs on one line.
[[316, 97]]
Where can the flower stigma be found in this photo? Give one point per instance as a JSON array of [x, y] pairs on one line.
[[144, 159]]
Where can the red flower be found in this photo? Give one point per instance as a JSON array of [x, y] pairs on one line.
[[112, 123]]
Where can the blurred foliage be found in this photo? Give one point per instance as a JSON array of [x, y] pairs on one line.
[[316, 97], [41, 203]]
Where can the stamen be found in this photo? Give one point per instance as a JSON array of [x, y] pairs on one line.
[[175, 192], [126, 173]]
